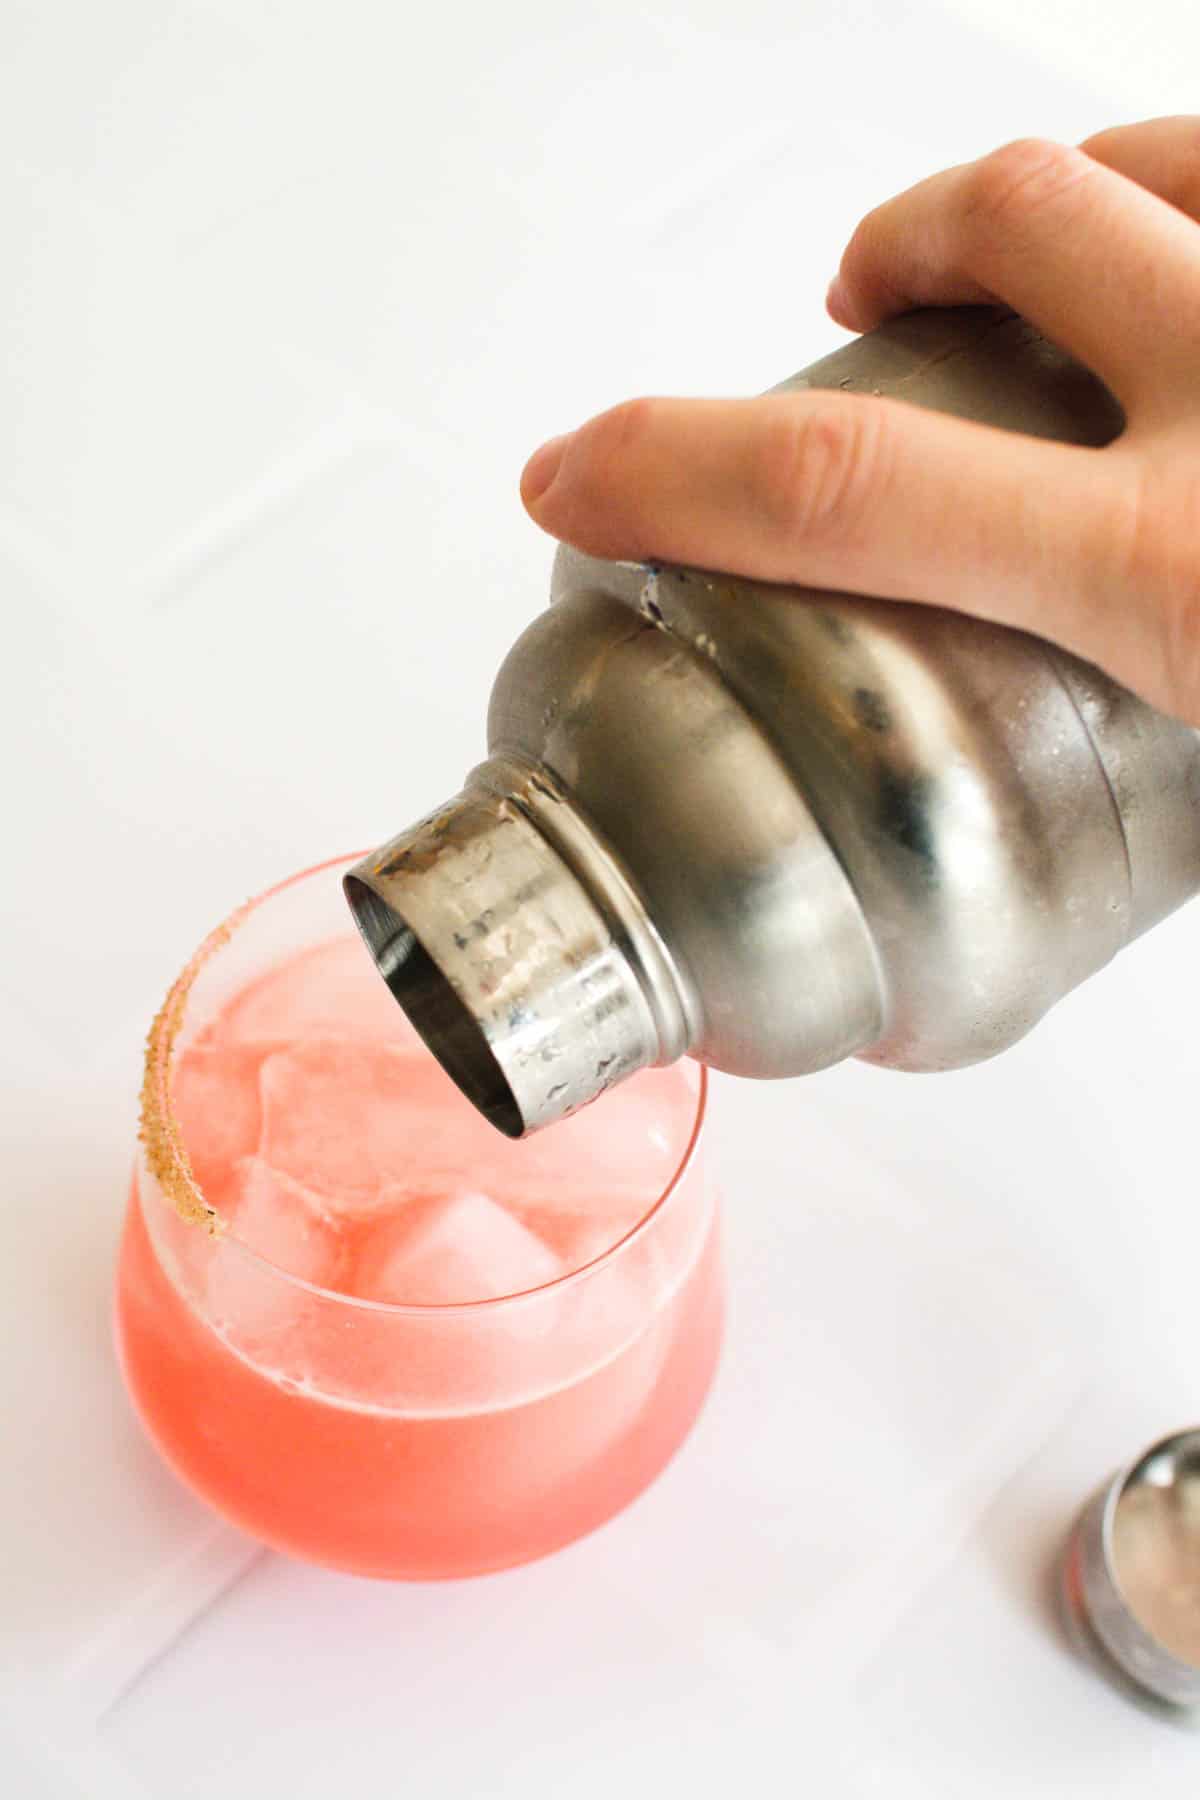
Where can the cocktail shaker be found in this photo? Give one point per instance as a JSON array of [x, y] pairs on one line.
[[773, 827]]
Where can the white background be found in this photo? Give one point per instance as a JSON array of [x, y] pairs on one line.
[[290, 292]]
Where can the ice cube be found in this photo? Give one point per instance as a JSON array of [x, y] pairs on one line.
[[285, 1224], [332, 990], [350, 1120], [584, 1183], [442, 1250], [626, 1145], [353, 1120], [214, 1092], [576, 1235]]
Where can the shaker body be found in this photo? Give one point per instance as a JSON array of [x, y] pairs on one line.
[[777, 826]]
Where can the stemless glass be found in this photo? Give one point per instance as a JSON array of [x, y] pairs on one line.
[[399, 1440]]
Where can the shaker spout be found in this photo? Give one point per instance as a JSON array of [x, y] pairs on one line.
[[509, 965]]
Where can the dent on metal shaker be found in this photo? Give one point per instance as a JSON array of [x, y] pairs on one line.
[[775, 826]]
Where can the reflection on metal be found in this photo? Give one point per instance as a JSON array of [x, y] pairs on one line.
[[775, 827]]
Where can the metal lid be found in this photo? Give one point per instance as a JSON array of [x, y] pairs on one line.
[[1131, 1573]]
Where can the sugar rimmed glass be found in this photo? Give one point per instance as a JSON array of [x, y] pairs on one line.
[[400, 1440]]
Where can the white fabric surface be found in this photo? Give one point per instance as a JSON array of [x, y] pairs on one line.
[[105, 1555], [291, 293]]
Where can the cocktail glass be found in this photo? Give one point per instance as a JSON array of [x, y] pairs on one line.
[[379, 1436]]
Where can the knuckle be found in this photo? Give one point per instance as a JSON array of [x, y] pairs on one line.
[[610, 436], [821, 468], [873, 232], [1021, 180], [1189, 150], [1184, 190], [1181, 637], [1162, 567], [1181, 648], [1182, 184]]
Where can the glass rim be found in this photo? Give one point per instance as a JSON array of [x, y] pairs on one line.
[[167, 1161]]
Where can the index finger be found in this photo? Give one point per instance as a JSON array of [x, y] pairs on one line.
[[864, 495]]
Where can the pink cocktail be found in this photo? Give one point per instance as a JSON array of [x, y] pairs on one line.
[[410, 1347]]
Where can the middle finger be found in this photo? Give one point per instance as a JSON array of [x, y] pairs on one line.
[[1107, 270]]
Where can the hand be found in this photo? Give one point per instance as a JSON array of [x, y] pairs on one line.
[[1098, 550]]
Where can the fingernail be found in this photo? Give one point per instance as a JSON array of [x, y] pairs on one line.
[[541, 469], [837, 300]]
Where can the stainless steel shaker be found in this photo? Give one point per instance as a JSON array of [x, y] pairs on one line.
[[774, 827]]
